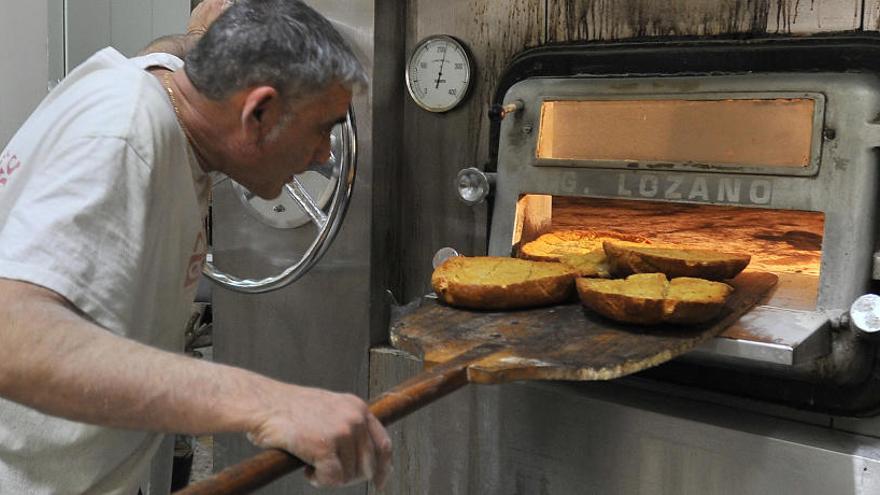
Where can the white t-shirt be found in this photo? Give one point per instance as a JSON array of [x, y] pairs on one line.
[[101, 201]]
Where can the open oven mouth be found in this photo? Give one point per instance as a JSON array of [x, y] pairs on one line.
[[784, 242]]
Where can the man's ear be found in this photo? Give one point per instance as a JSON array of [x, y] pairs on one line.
[[259, 113]]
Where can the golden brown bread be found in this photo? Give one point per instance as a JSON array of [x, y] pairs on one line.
[[488, 282], [649, 299], [628, 258], [554, 245], [592, 264]]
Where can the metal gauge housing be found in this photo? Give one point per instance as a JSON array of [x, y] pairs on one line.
[[438, 74]]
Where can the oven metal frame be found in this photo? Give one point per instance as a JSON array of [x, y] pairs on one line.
[[847, 163]]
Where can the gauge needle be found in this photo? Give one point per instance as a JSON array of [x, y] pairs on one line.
[[440, 74]]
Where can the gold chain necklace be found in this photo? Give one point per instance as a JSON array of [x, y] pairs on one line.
[[191, 150], [166, 82]]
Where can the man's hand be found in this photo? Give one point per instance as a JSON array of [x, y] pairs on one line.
[[54, 360], [335, 434], [204, 15]]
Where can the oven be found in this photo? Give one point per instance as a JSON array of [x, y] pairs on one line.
[[772, 154], [759, 146]]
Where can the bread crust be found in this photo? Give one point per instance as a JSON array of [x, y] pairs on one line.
[[689, 312], [620, 307], [552, 246], [626, 259], [618, 300], [543, 283]]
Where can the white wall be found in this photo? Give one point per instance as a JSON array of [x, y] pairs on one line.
[[127, 25], [78, 29], [23, 55]]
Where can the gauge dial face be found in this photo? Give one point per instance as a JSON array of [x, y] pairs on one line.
[[439, 73]]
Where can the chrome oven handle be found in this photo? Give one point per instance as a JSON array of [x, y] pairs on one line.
[[328, 224]]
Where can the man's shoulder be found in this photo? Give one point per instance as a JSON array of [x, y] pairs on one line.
[[106, 66], [111, 95], [114, 75]]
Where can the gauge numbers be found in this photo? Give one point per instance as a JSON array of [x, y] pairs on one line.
[[438, 74]]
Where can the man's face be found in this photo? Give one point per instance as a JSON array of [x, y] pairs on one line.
[[299, 138]]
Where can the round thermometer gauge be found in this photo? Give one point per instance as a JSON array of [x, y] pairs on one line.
[[438, 74]]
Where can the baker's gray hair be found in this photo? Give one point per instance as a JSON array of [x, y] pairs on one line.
[[280, 43]]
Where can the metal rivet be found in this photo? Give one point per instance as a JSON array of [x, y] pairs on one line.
[[527, 129], [829, 134], [279, 209]]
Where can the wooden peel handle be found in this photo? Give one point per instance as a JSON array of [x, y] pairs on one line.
[[418, 391]]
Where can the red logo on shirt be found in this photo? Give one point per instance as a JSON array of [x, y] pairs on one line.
[[194, 270], [9, 163]]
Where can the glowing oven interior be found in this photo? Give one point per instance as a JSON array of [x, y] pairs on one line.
[[787, 243]]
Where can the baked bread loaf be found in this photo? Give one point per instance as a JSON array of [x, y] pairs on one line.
[[554, 245], [592, 264], [649, 299], [489, 282], [628, 258]]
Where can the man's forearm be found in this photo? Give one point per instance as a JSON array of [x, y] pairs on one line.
[[57, 362], [54, 360]]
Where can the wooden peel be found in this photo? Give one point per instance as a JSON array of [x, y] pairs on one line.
[[409, 396], [563, 342]]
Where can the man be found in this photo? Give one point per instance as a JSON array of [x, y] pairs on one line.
[[102, 199]]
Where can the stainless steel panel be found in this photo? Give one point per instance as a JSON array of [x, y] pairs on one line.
[[318, 330], [776, 336], [438, 449], [436, 146], [609, 438]]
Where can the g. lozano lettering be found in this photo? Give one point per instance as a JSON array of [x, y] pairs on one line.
[[682, 187], [700, 188]]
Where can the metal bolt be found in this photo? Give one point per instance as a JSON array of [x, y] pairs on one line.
[[279, 209]]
